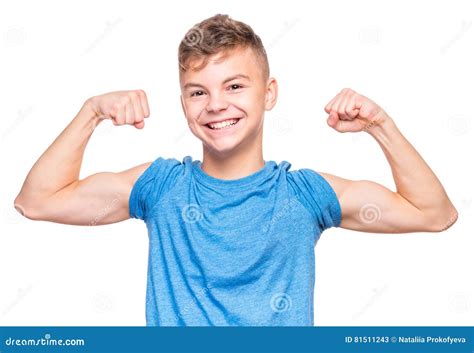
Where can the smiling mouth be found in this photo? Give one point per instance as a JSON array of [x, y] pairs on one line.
[[222, 125]]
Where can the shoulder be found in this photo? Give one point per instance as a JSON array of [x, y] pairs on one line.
[[156, 180], [338, 184], [310, 179], [164, 167], [316, 192]]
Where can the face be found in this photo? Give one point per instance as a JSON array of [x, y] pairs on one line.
[[224, 102]]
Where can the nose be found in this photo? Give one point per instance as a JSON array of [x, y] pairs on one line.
[[216, 103]]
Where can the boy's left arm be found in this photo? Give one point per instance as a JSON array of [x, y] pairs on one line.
[[420, 203]]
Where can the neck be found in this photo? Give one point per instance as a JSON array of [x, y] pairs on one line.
[[235, 165]]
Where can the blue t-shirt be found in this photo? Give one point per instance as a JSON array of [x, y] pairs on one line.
[[231, 252]]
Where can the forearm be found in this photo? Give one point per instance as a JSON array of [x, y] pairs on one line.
[[60, 164], [414, 179]]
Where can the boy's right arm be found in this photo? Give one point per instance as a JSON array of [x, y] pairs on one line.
[[52, 190]]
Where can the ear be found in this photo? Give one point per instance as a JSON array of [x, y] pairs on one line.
[[271, 93], [183, 106]]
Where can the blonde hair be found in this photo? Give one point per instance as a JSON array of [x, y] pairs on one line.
[[216, 34]]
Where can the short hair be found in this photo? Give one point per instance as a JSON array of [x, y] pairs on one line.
[[216, 34]]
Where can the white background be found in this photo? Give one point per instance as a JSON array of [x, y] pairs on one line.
[[414, 59]]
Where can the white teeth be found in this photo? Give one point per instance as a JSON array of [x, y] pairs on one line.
[[223, 124]]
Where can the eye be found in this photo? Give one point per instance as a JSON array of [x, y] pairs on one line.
[[197, 93], [235, 86]]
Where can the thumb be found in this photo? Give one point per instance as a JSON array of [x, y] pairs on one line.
[[343, 125], [348, 126], [139, 125], [332, 120]]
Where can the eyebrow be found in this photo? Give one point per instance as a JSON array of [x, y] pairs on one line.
[[193, 84]]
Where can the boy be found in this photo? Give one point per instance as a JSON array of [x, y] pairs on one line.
[[232, 238]]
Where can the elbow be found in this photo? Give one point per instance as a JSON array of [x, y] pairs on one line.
[[443, 220], [26, 208]]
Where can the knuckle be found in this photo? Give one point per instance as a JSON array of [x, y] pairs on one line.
[[125, 100], [92, 100], [110, 112], [133, 95]]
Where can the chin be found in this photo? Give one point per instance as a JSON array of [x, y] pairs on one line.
[[221, 148]]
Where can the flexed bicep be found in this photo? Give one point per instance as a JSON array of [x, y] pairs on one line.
[[367, 206], [101, 198]]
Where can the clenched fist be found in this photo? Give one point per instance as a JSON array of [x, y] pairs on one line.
[[352, 112], [122, 107]]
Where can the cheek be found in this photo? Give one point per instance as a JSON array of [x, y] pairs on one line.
[[195, 109], [193, 123], [245, 103], [194, 127], [252, 106]]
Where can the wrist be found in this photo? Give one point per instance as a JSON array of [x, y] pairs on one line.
[[89, 113], [381, 127]]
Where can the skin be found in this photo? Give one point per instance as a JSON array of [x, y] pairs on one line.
[[419, 204], [53, 191], [232, 85]]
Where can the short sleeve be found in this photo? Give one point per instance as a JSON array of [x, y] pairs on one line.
[[319, 198], [150, 187]]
